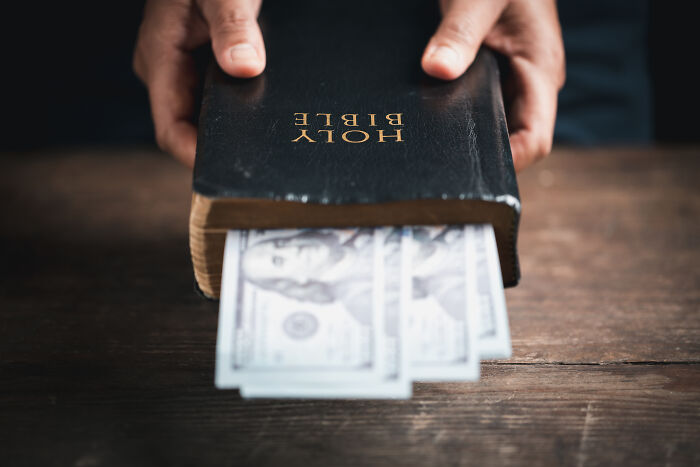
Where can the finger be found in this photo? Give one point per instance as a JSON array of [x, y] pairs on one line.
[[235, 36], [171, 92], [531, 114], [463, 27]]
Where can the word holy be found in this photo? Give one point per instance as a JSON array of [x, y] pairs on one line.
[[349, 135]]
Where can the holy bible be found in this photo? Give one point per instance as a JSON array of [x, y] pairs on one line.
[[343, 128]]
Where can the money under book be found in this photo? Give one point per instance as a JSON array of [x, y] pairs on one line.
[[359, 312]]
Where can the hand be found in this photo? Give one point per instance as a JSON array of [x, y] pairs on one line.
[[171, 30], [527, 32]]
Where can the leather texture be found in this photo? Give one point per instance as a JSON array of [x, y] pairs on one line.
[[360, 57]]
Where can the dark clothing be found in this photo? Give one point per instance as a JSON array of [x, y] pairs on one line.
[[607, 97]]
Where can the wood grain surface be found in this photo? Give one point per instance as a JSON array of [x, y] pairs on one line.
[[107, 354]]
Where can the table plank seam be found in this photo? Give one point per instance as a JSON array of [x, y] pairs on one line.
[[610, 363]]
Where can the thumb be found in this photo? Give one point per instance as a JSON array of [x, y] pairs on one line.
[[457, 40], [235, 36]]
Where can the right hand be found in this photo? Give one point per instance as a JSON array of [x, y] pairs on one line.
[[170, 31], [528, 34]]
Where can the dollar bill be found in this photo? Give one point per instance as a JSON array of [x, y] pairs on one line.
[[443, 311], [494, 332], [358, 313], [396, 380], [301, 306]]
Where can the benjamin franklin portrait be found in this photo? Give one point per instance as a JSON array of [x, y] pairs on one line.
[[319, 266]]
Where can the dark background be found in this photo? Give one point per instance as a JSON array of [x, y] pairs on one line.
[[68, 77]]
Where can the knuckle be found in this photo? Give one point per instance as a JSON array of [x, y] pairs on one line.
[[555, 59], [559, 61], [562, 76], [136, 61], [163, 138], [550, 60], [143, 50], [459, 30], [235, 20], [137, 64], [543, 147]]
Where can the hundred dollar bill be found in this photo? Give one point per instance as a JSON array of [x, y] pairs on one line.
[[494, 333], [443, 312], [300, 305], [395, 382]]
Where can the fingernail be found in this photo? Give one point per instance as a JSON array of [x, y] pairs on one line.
[[243, 52], [445, 55]]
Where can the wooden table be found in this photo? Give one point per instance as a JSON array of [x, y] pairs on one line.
[[107, 354]]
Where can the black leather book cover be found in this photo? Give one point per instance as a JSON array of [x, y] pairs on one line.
[[343, 114]]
